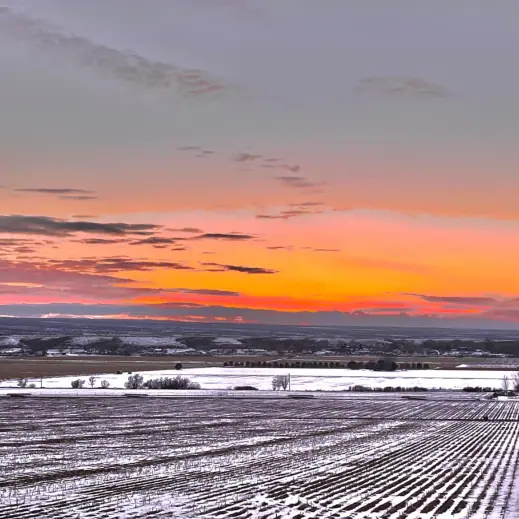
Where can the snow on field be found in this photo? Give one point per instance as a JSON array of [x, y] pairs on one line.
[[12, 340], [301, 379], [227, 340], [152, 341], [222, 459]]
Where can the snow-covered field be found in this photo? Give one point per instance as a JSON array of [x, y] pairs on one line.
[[363, 458], [301, 379]]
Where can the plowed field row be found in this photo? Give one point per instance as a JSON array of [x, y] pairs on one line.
[[298, 459]]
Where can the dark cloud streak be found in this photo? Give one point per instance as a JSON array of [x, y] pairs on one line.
[[127, 67], [47, 226], [239, 268], [224, 236]]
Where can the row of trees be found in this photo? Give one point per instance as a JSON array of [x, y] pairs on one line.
[[383, 364], [137, 382], [80, 384]]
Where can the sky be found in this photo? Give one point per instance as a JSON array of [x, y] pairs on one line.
[[314, 162]]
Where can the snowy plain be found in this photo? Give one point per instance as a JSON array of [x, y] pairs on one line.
[[217, 378]]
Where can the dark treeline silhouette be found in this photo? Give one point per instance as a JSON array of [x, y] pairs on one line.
[[382, 364]]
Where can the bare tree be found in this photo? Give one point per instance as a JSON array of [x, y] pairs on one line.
[[105, 384], [92, 381], [505, 383], [134, 382], [78, 384], [280, 382], [515, 382], [22, 382]]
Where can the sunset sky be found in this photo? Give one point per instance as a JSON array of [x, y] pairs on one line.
[[322, 162]]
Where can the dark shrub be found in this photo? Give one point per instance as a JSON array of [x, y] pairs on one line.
[[171, 383]]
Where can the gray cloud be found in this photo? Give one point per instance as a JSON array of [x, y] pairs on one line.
[[47, 226], [115, 264], [224, 236], [307, 204], [384, 310], [100, 241], [154, 240], [200, 152], [456, 300], [400, 86], [78, 197], [297, 209], [55, 191], [291, 167], [286, 215], [205, 292], [246, 157], [62, 193], [52, 281], [238, 268], [127, 67], [298, 181], [189, 230]]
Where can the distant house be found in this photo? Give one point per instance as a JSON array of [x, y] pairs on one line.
[[53, 352]]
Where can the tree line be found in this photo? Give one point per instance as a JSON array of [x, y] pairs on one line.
[[374, 365], [136, 381]]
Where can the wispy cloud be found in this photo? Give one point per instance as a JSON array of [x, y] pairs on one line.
[[299, 182], [456, 300], [54, 191], [78, 198], [291, 167], [197, 151], [127, 67], [290, 213], [246, 157], [100, 241], [62, 193], [401, 86], [224, 236], [188, 230], [205, 292], [115, 264], [154, 240], [218, 267], [46, 280], [47, 226]]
